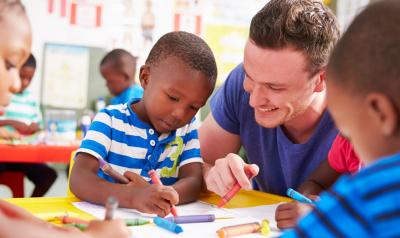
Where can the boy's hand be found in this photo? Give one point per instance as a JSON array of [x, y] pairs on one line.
[[287, 214], [113, 228], [136, 180], [156, 199]]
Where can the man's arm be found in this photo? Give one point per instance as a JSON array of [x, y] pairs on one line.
[[222, 166], [216, 142]]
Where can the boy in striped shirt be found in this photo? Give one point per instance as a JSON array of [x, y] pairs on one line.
[[363, 96], [156, 132]]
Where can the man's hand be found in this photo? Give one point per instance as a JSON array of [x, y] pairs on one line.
[[223, 175]]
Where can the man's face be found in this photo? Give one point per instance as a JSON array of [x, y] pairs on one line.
[[279, 85], [15, 46]]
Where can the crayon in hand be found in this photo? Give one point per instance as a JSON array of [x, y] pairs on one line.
[[236, 187], [156, 180], [298, 196], [107, 169]]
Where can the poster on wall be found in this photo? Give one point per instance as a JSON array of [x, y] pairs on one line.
[[65, 76]]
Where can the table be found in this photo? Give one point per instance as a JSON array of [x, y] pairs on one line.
[[64, 204], [40, 153]]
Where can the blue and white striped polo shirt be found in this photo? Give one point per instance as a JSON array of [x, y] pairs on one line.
[[364, 205], [119, 137]]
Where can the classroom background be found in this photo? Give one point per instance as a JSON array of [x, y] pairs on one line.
[[70, 37]]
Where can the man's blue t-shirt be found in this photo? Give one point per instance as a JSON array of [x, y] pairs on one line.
[[134, 91], [283, 164]]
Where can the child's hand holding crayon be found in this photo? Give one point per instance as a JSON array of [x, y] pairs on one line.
[[287, 214], [155, 198]]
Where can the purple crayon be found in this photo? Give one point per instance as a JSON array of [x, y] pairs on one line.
[[192, 219]]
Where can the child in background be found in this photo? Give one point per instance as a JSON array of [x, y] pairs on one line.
[[118, 68], [23, 116], [15, 46], [157, 132], [342, 159], [363, 97]]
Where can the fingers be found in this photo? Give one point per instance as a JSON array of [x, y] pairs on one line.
[[136, 179], [169, 194], [286, 215], [236, 165]]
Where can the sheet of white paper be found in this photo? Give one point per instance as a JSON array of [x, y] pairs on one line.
[[195, 208], [196, 230], [203, 230], [260, 213]]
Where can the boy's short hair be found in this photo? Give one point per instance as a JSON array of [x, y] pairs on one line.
[[367, 57], [6, 5], [190, 48], [30, 62], [307, 25], [121, 60]]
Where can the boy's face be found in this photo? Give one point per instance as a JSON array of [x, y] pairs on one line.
[[15, 46], [173, 93], [116, 81], [26, 74], [279, 85], [350, 113]]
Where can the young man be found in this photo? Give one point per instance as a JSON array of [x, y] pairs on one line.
[[363, 95], [274, 103]]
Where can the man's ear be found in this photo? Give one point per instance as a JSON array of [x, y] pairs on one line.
[[144, 75], [320, 81], [384, 113]]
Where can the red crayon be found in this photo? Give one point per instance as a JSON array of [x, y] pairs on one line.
[[156, 180], [236, 187]]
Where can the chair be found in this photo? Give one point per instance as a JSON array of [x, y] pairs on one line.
[[15, 181], [71, 164]]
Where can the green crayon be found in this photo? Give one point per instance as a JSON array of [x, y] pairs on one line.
[[136, 222]]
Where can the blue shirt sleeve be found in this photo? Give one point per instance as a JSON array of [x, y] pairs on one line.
[[226, 103]]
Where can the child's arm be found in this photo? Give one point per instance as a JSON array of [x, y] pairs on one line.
[[189, 183], [321, 179], [21, 127], [87, 185], [16, 222]]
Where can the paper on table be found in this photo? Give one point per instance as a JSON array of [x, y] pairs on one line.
[[260, 213], [195, 208], [196, 230]]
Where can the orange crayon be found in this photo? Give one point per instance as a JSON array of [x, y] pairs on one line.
[[229, 195], [72, 220], [156, 180], [237, 230]]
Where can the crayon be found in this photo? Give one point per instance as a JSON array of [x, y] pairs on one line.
[[229, 195], [107, 169], [136, 222], [156, 180], [111, 206], [192, 219], [298, 196], [168, 225], [128, 222], [237, 230]]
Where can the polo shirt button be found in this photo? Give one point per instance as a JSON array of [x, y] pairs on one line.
[[152, 143], [149, 156], [151, 131]]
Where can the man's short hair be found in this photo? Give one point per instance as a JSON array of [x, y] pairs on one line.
[[306, 25], [367, 57], [122, 61], [188, 47]]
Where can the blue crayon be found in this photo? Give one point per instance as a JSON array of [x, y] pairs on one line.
[[168, 225], [298, 196], [192, 218]]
